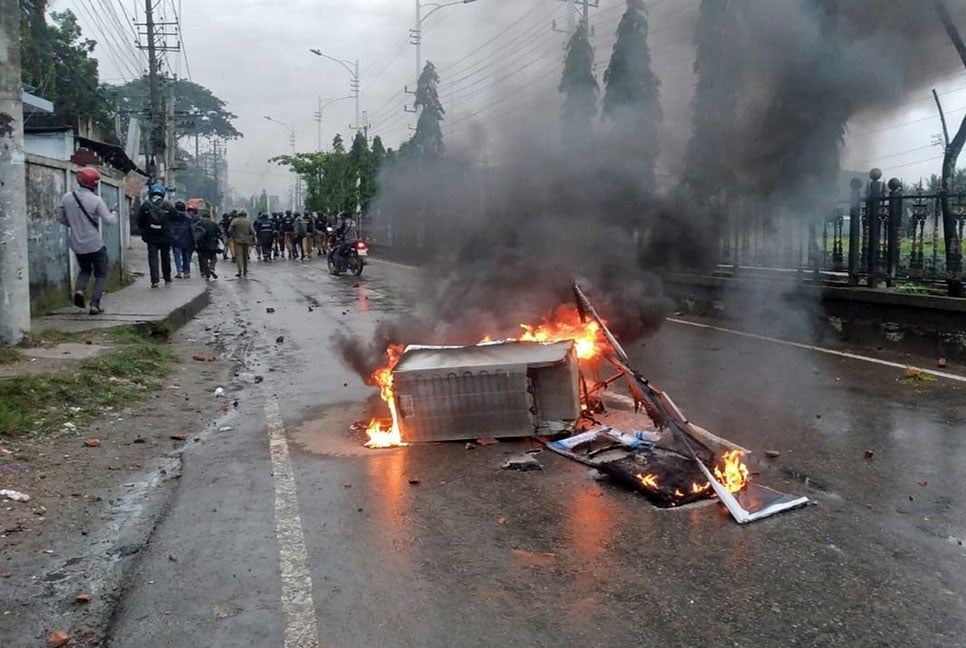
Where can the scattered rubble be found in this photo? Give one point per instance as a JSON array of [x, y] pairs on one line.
[[92, 443], [82, 598], [869, 454], [772, 454], [279, 339], [16, 496], [57, 639], [941, 363], [522, 463], [269, 310]]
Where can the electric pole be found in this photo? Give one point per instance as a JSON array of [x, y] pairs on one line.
[[14, 277], [572, 15], [159, 155]]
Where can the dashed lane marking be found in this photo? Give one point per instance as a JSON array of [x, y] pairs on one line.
[[297, 606], [809, 347]]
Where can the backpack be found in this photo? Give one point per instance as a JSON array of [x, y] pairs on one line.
[[155, 217]]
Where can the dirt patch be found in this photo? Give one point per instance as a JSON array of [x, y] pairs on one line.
[[73, 487]]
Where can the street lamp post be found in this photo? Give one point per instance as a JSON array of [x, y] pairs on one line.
[[291, 140], [353, 68], [323, 104], [417, 33]]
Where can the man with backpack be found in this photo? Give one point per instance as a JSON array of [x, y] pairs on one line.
[[208, 238], [182, 240], [154, 219], [83, 212]]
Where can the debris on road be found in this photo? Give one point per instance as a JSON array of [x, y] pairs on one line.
[[82, 598], [536, 559], [16, 496], [470, 445], [869, 454], [772, 454], [486, 442], [523, 463], [92, 443], [413, 481], [199, 358], [269, 310], [279, 339], [220, 392], [915, 375], [501, 521], [57, 638], [941, 363], [179, 437]]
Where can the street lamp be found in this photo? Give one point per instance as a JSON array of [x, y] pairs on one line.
[[323, 104], [353, 68], [291, 140], [417, 33]]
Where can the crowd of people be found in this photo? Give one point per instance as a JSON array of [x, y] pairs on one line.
[[177, 230]]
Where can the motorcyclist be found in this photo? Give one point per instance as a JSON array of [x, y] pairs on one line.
[[346, 234], [265, 230]]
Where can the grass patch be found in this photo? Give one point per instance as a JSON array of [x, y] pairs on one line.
[[8, 355], [47, 401]]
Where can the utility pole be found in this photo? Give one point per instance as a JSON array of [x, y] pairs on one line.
[[157, 155], [14, 278], [572, 15]]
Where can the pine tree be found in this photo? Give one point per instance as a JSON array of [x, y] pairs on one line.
[[708, 161], [427, 141], [579, 87], [632, 90]]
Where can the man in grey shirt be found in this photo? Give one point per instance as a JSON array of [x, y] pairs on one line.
[[83, 211]]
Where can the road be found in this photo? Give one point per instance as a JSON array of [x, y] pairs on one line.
[[283, 531]]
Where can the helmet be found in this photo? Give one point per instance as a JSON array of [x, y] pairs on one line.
[[157, 190], [88, 177]]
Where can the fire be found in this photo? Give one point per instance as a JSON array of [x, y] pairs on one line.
[[734, 474], [649, 480], [391, 436], [564, 324], [697, 489]]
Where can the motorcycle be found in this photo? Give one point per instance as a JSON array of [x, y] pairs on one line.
[[352, 261]]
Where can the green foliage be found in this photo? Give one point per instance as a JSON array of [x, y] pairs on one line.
[[579, 87], [631, 98], [338, 179], [199, 112], [427, 142], [30, 403], [57, 65]]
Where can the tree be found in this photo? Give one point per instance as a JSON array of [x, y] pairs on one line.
[[954, 250], [579, 87], [199, 112], [427, 141], [57, 65], [631, 97], [708, 164]]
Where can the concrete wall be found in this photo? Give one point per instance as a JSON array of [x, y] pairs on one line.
[[50, 262]]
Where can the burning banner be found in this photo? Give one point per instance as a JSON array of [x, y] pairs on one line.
[[537, 385]]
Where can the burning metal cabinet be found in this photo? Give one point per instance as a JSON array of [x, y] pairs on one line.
[[498, 390]]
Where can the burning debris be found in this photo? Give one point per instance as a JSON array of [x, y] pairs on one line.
[[539, 385]]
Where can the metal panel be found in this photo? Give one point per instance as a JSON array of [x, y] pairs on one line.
[[467, 405]]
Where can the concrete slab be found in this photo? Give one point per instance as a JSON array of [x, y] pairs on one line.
[[174, 304]]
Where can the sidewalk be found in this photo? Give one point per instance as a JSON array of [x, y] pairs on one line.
[[173, 305]]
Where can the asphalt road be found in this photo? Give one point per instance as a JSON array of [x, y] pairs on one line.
[[283, 531]]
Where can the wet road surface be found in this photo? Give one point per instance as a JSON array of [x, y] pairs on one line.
[[283, 531]]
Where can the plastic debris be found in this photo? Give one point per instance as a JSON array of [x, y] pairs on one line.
[[16, 496], [522, 462], [220, 392], [92, 443]]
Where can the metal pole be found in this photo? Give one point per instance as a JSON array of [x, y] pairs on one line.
[[156, 140], [355, 82], [419, 41], [14, 278]]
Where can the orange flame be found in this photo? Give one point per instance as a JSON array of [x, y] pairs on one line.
[[697, 489], [733, 475], [649, 480], [391, 436], [564, 324]]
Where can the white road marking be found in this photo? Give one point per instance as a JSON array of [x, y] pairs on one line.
[[297, 606], [809, 347], [394, 264]]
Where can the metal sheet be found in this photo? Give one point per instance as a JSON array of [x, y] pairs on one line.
[[500, 354]]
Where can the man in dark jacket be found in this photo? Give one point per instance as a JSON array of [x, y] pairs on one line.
[[265, 229], [153, 219], [182, 240], [208, 239]]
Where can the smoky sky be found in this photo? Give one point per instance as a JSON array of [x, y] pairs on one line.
[[504, 238]]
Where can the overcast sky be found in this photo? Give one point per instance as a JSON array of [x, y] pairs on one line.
[[499, 61]]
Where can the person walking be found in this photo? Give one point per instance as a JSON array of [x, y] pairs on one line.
[[182, 240], [84, 213], [266, 235], [153, 219], [299, 230], [241, 232], [208, 238]]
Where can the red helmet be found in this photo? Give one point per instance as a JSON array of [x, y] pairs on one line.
[[88, 177]]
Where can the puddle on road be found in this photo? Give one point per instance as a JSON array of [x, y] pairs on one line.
[[326, 433]]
